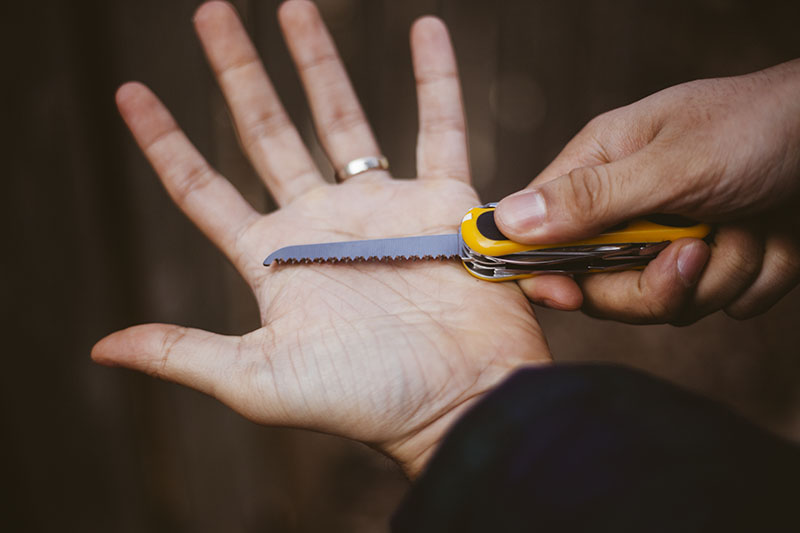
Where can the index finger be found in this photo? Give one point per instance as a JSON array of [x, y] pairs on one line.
[[208, 199]]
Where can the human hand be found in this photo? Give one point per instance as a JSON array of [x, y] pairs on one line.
[[720, 150], [388, 354]]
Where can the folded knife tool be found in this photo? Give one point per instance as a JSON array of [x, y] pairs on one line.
[[488, 255]]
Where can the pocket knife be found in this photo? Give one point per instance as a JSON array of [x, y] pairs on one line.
[[488, 255]]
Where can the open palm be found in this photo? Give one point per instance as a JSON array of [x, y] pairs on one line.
[[388, 354]]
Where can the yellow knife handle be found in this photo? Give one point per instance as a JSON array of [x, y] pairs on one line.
[[480, 233]]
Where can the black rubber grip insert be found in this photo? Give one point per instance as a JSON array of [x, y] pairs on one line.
[[488, 228]]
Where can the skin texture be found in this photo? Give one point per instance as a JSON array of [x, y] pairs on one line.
[[387, 354], [720, 150]]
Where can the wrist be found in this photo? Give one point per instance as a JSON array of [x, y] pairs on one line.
[[413, 452]]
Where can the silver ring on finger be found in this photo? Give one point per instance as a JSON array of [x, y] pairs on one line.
[[361, 165]]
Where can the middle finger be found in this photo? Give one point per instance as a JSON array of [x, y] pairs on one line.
[[341, 124], [268, 136]]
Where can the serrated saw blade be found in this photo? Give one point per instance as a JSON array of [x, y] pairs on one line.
[[402, 248]]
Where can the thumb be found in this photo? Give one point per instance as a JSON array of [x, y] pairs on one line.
[[192, 357], [582, 203]]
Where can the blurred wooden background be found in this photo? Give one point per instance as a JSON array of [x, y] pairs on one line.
[[93, 244]]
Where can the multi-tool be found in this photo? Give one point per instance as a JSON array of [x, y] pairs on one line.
[[487, 253]]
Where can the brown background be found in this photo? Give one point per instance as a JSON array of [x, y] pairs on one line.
[[92, 244]]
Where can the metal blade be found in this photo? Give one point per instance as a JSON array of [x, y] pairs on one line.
[[424, 247]]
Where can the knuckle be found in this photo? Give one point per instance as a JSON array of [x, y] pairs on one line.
[[786, 264], [436, 76], [230, 72], [660, 304], [782, 274], [588, 191], [608, 126], [189, 178], [599, 123], [659, 309], [171, 338], [320, 61], [266, 124], [743, 266], [343, 120], [443, 124]]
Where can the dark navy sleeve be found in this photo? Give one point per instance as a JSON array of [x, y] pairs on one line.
[[603, 448]]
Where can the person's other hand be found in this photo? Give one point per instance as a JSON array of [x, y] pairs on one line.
[[724, 151], [388, 354]]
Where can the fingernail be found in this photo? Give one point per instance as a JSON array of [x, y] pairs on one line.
[[691, 260], [522, 212]]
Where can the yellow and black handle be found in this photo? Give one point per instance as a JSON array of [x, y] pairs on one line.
[[480, 233]]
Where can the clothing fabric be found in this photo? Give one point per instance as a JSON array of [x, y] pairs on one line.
[[603, 448]]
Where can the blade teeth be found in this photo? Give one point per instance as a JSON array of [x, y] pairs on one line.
[[418, 248], [358, 259]]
